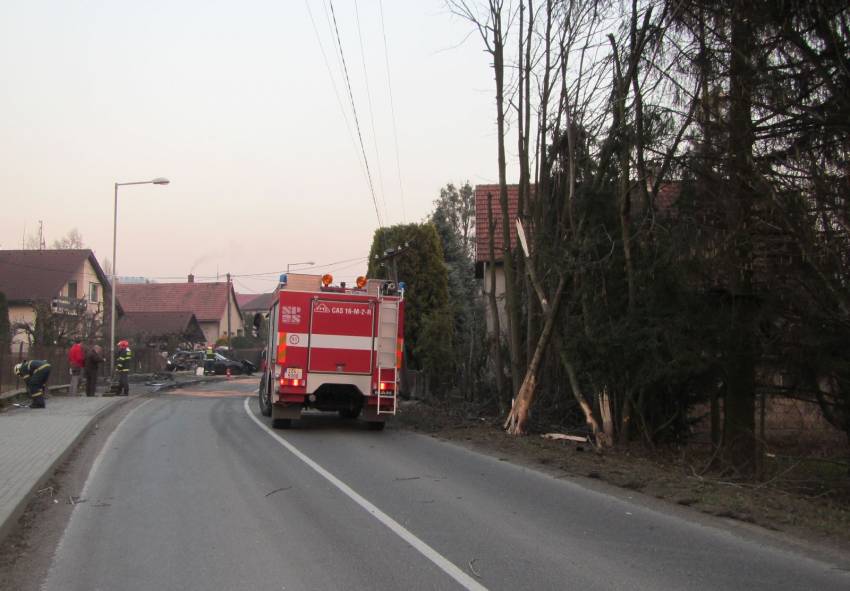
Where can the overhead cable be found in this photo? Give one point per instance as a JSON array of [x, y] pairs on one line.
[[392, 112], [371, 112], [356, 118]]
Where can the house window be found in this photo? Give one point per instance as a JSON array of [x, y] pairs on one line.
[[72, 290], [93, 293]]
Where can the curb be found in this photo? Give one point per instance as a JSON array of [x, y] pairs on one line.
[[11, 522], [13, 393]]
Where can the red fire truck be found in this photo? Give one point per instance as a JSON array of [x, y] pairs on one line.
[[333, 348]]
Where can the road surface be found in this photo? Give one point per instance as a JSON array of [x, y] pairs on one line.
[[193, 490]]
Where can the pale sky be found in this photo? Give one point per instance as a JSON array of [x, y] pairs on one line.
[[233, 102]]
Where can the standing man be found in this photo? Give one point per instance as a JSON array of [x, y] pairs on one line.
[[76, 361], [209, 361], [34, 374], [94, 357], [124, 358]]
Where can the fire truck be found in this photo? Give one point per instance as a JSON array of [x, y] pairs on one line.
[[333, 348]]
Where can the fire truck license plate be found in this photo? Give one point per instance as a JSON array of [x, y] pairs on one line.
[[293, 373]]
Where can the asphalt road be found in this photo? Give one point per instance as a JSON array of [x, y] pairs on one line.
[[195, 491]]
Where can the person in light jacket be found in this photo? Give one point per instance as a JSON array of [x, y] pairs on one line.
[[76, 361]]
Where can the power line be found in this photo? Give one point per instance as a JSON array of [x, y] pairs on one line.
[[331, 76], [371, 112], [392, 112], [356, 118]]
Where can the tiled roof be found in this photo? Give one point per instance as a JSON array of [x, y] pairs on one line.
[[482, 223], [206, 300], [28, 275], [159, 324], [668, 194], [244, 298], [255, 302]]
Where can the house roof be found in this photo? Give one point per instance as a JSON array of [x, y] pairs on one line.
[[29, 275], [244, 298], [482, 223], [159, 324], [206, 300], [255, 302], [668, 195]]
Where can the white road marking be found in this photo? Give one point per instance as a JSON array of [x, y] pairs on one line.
[[427, 551]]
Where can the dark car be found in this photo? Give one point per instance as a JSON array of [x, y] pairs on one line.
[[185, 360], [191, 360], [222, 364]]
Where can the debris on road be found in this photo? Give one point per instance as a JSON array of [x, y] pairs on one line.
[[564, 436], [278, 490]]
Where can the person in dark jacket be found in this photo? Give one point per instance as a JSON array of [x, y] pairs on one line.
[[124, 358], [35, 374], [209, 361], [94, 357]]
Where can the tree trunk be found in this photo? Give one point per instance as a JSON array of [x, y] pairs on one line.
[[739, 406], [496, 337], [518, 417], [511, 304]]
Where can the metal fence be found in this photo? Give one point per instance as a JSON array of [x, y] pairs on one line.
[[144, 361]]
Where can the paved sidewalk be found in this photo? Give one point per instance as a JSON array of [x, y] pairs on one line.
[[32, 444]]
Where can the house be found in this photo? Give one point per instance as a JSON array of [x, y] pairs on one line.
[[483, 262], [209, 302], [664, 204], [253, 303], [161, 328], [67, 288]]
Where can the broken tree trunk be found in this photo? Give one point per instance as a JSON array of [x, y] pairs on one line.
[[518, 417]]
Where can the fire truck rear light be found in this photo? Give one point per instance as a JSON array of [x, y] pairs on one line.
[[293, 382], [384, 386]]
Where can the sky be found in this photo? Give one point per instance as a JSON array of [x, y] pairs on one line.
[[244, 107]]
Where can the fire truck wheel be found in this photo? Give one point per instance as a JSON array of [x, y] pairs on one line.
[[349, 413], [281, 423], [377, 425], [265, 403]]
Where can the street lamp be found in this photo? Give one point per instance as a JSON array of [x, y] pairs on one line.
[[157, 181], [293, 264]]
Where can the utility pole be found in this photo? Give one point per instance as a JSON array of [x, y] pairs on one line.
[[389, 258], [229, 290]]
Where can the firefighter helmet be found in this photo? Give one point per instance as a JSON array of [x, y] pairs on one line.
[[123, 344], [19, 369]]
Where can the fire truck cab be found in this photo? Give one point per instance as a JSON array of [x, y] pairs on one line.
[[333, 348]]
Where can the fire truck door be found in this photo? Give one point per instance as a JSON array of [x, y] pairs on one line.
[[341, 337]]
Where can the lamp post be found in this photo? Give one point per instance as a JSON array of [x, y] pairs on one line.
[[294, 264], [114, 286]]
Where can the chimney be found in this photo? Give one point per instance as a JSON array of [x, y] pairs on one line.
[[191, 278]]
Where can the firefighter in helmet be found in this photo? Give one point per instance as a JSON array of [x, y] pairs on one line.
[[34, 374], [209, 361], [123, 360]]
